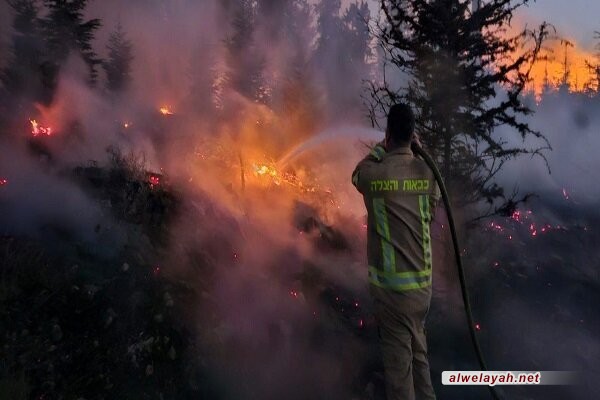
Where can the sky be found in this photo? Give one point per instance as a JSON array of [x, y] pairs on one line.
[[575, 19]]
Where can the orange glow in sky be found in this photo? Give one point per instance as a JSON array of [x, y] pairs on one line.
[[553, 69]]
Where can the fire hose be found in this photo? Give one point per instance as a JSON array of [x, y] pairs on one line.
[[418, 150]]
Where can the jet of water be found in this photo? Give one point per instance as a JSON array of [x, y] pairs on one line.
[[340, 133]]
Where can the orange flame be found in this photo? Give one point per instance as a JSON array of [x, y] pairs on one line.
[[165, 110], [263, 170], [37, 130]]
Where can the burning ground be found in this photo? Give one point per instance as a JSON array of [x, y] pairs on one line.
[[241, 276]]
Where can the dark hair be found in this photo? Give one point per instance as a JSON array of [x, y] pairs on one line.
[[401, 123]]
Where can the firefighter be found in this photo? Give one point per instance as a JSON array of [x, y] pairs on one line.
[[400, 195]]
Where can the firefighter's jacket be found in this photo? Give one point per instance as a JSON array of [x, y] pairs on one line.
[[400, 195]]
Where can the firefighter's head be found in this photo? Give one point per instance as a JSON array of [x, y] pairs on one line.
[[400, 126]]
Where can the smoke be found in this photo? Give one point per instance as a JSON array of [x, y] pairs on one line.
[[35, 201], [569, 123]]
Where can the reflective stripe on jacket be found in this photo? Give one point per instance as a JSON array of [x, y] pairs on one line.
[[400, 195]]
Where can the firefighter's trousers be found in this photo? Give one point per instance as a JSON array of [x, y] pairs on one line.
[[401, 317]]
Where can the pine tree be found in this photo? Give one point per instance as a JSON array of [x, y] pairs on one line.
[[294, 96], [66, 30], [340, 56], [245, 61], [118, 65], [358, 45], [204, 77], [22, 75], [466, 76], [593, 85], [329, 26], [356, 21]]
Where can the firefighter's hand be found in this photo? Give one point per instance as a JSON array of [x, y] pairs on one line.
[[378, 151]]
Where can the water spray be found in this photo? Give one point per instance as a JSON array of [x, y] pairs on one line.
[[418, 150]]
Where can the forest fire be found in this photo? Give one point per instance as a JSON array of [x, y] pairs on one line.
[[37, 130], [181, 206]]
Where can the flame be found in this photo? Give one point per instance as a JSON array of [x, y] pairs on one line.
[[165, 110], [37, 130], [266, 170], [263, 170]]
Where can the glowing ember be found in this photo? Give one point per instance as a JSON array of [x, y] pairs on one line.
[[516, 215], [477, 327], [532, 229], [496, 226], [37, 130], [3, 182], [165, 110], [565, 194], [154, 180], [126, 125], [294, 294], [525, 219]]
